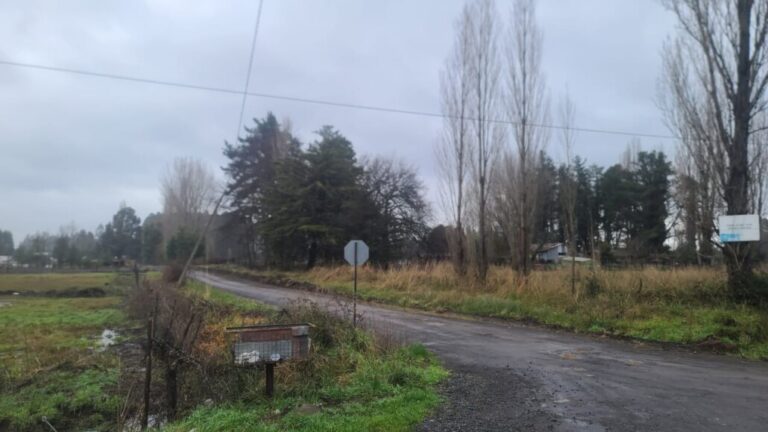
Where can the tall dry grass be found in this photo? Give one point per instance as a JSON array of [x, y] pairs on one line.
[[650, 284], [688, 304]]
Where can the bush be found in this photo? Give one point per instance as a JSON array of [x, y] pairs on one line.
[[172, 272], [592, 285], [180, 246]]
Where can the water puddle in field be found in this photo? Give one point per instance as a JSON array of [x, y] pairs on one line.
[[107, 339]]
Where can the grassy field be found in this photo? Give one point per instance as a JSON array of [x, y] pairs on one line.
[[54, 282], [50, 361], [54, 367], [353, 381], [687, 306]]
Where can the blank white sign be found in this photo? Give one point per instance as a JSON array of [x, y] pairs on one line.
[[362, 252]]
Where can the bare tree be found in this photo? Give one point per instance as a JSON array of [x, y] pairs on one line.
[[696, 183], [472, 136], [189, 190], [485, 103], [568, 186], [527, 109], [685, 199], [454, 150], [395, 189], [758, 165], [716, 73]]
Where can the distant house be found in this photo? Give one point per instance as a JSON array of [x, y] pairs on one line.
[[7, 261], [549, 252]]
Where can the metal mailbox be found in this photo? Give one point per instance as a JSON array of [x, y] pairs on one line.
[[264, 344]]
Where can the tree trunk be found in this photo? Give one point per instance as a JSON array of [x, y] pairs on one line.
[[171, 390], [482, 269], [460, 260], [312, 258], [738, 260], [738, 256]]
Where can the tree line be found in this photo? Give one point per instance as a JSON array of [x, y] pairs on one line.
[[124, 238], [291, 203], [301, 204], [497, 181]]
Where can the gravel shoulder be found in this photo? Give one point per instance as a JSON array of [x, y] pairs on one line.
[[491, 400]]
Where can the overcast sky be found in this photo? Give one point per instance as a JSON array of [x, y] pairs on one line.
[[72, 148]]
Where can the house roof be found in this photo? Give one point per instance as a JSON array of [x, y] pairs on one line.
[[545, 247]]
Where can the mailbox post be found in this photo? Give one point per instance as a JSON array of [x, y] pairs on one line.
[[268, 345]]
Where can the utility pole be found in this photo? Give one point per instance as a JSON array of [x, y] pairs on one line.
[[148, 376]]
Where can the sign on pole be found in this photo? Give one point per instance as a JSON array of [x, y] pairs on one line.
[[356, 253], [739, 228]]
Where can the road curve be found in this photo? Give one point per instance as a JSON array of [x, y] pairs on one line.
[[589, 383]]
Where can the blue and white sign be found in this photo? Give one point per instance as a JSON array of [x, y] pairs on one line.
[[739, 228]]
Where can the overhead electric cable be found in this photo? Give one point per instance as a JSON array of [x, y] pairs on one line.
[[250, 67], [319, 101], [224, 191]]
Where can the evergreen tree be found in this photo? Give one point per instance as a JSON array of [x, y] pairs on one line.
[[618, 204], [151, 240], [333, 196], [585, 216], [122, 236], [6, 243], [180, 246], [547, 227], [633, 203], [252, 171], [317, 203], [652, 187], [61, 250]]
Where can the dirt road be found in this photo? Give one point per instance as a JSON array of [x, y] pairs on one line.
[[516, 377]]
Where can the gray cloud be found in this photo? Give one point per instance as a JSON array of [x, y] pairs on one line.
[[74, 147]]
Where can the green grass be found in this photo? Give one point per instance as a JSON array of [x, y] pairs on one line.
[[49, 364], [223, 298], [393, 392], [34, 332], [70, 399], [54, 281], [686, 306], [355, 381]]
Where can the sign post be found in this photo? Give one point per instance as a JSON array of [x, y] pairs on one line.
[[356, 253]]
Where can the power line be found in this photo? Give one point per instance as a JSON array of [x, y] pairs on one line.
[[250, 66], [120, 77], [319, 101], [224, 191]]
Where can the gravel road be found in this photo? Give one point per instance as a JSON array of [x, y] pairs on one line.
[[510, 376]]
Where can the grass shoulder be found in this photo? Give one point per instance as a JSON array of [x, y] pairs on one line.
[[362, 391], [352, 379]]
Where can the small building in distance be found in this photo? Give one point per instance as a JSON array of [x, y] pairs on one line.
[[7, 261], [549, 253]]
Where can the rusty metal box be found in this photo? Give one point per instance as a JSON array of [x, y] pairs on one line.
[[270, 343]]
